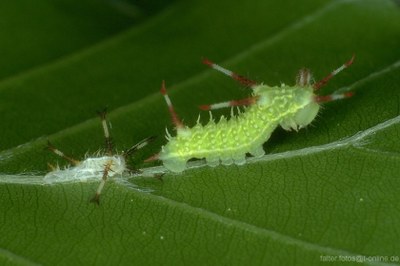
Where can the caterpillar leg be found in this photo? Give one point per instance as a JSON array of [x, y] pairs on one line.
[[289, 124], [108, 140], [107, 169], [212, 161], [241, 102], [325, 80], [175, 165], [241, 79], [227, 161], [56, 151], [240, 159], [258, 151]]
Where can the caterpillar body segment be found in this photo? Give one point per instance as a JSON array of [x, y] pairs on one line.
[[227, 141]]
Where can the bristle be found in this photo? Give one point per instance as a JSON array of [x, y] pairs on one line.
[[107, 169], [174, 116], [205, 107], [138, 146], [325, 80], [108, 141], [241, 102], [304, 77], [333, 97], [152, 158], [243, 80], [56, 151]]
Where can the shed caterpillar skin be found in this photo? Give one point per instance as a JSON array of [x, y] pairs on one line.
[[89, 168], [228, 141], [101, 167]]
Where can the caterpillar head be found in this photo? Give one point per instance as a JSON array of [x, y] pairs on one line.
[[304, 116], [307, 108]]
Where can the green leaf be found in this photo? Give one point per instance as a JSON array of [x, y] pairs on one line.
[[328, 192]]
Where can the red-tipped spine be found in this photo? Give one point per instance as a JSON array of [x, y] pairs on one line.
[[333, 97], [241, 79], [152, 158], [241, 102], [174, 117], [205, 107], [325, 80], [244, 102]]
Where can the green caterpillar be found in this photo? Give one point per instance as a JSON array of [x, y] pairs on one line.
[[228, 141]]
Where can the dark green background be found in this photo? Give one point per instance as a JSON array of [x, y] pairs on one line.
[[330, 189]]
